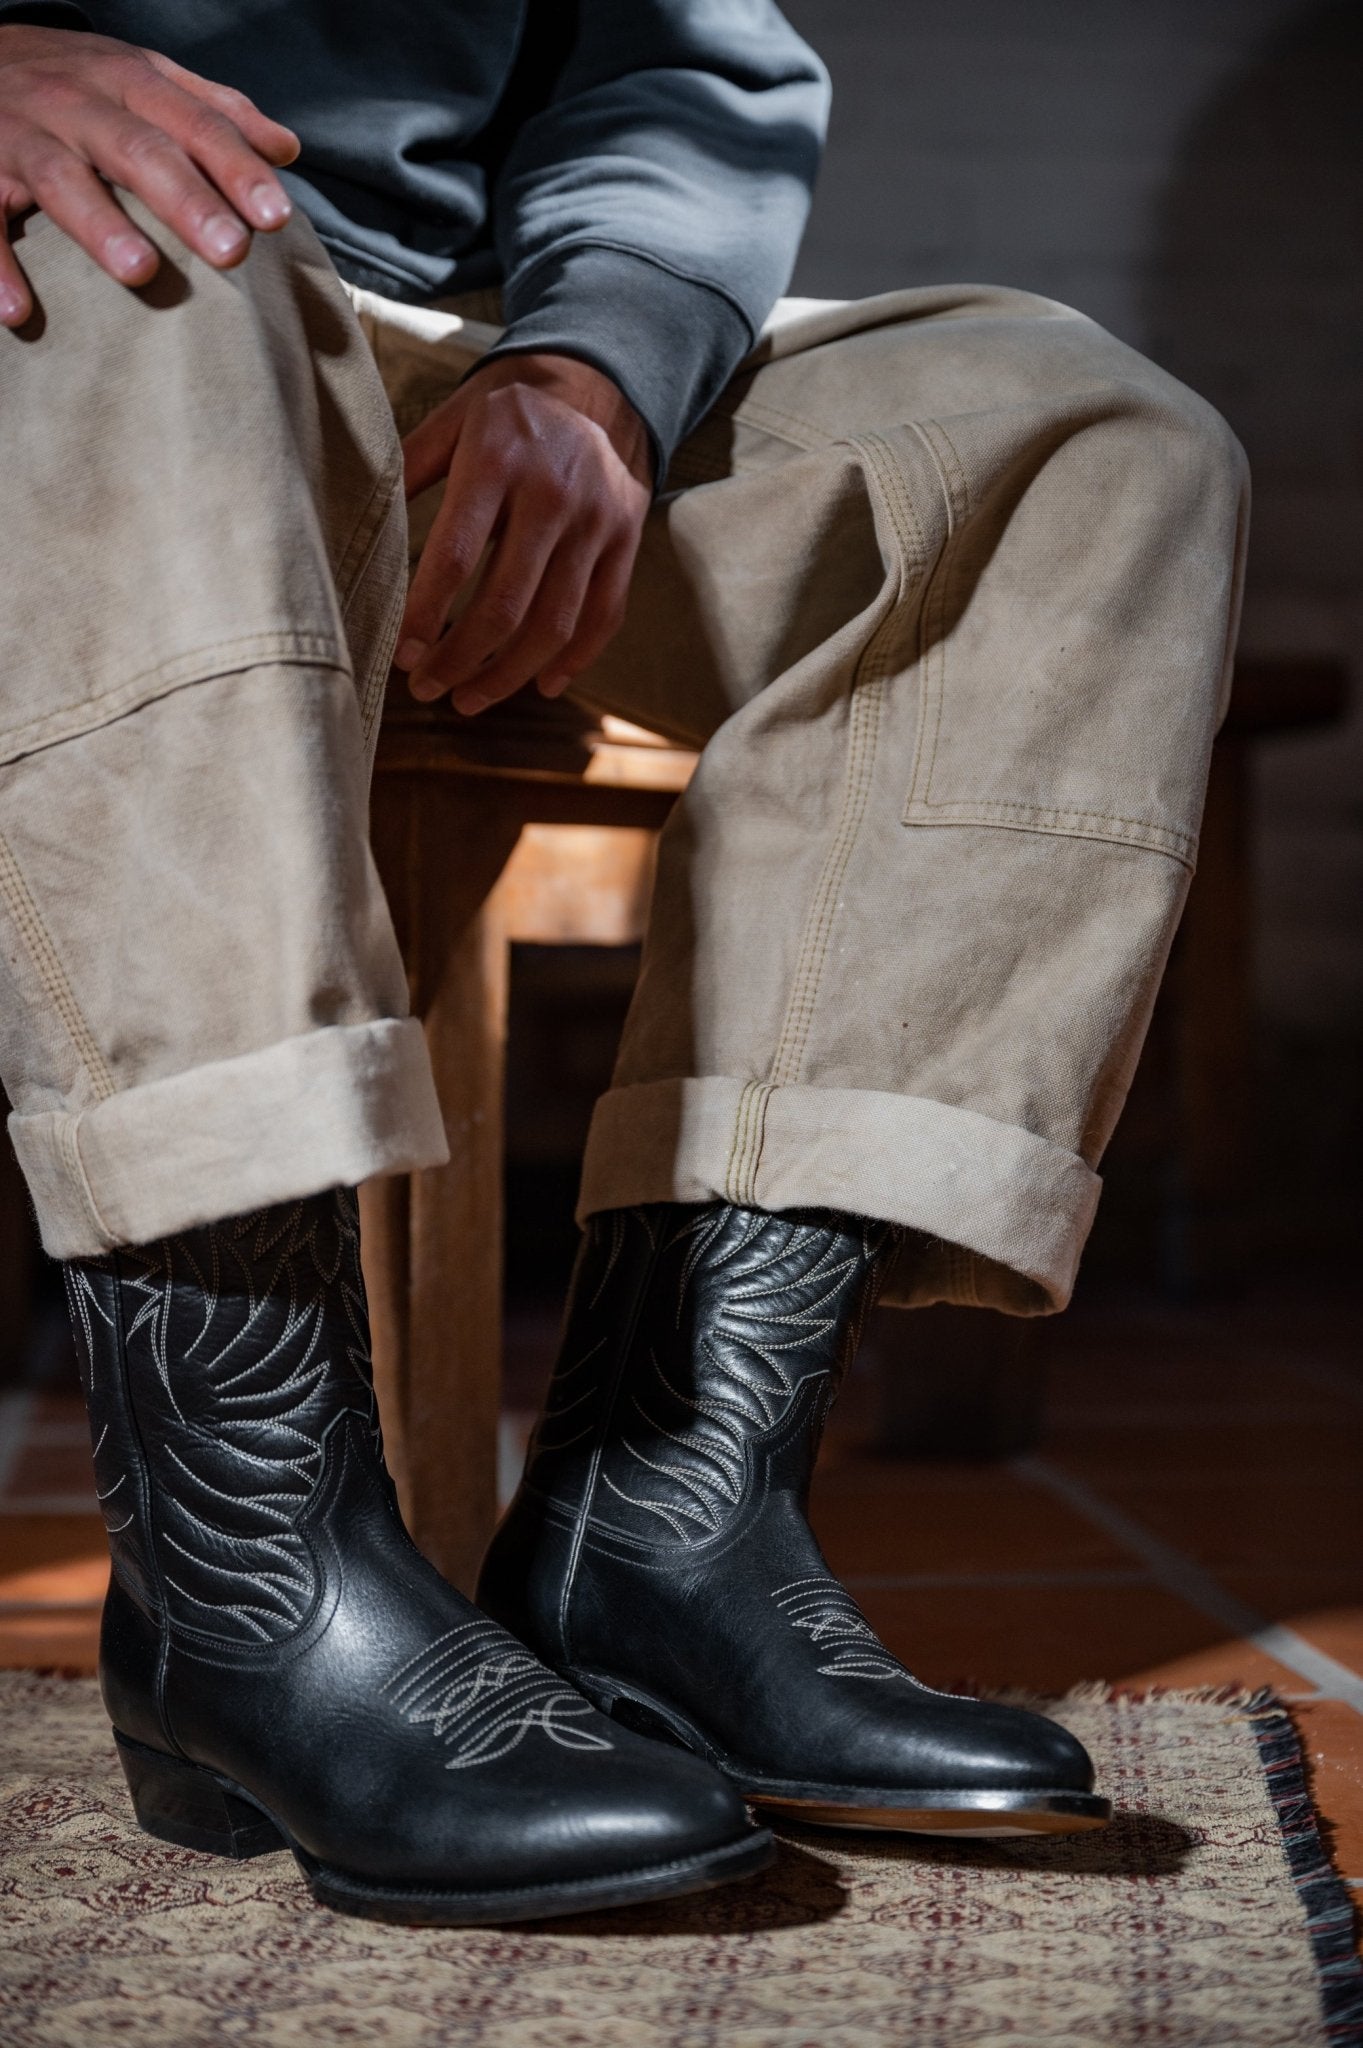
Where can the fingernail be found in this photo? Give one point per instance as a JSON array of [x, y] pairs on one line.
[[223, 235], [10, 304], [470, 703], [128, 254], [270, 206], [554, 686], [410, 654]]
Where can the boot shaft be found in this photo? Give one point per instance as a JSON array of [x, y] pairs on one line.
[[283, 1668], [660, 1555], [215, 1365], [694, 1334]]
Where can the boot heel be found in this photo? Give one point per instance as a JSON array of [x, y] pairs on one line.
[[181, 1803]]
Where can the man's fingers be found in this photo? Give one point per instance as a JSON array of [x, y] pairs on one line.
[[152, 164], [68, 190], [540, 480], [598, 622], [209, 139], [469, 511], [547, 630], [505, 591], [16, 302], [276, 143], [429, 449], [199, 155]]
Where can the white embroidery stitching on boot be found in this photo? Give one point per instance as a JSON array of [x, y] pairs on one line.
[[765, 1314], [482, 1693], [826, 1612]]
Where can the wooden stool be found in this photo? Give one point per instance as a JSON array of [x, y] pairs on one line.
[[535, 823]]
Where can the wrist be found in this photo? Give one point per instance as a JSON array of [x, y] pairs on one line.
[[589, 391]]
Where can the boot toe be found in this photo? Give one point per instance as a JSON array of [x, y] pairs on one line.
[[1067, 1764], [1012, 1749], [656, 1806], [641, 1807]]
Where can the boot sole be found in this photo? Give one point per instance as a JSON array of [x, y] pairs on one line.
[[987, 1815], [902, 1809], [196, 1808]]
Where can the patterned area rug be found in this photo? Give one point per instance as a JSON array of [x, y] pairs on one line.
[[1205, 1915]]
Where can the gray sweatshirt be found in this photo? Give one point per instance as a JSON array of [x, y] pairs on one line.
[[636, 173]]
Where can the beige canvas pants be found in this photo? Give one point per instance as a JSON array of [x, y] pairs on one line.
[[946, 587]]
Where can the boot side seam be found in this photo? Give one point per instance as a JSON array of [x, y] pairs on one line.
[[156, 1585], [610, 1397]]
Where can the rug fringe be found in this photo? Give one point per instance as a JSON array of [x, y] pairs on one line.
[[1096, 1692], [1331, 1920], [1325, 1898]]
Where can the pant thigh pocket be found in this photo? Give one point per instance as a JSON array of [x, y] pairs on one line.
[[1073, 646]]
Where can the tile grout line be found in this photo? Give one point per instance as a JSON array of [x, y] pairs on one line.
[[50, 1504], [1182, 1576], [911, 1582], [1159, 1414], [16, 1410], [12, 1607]]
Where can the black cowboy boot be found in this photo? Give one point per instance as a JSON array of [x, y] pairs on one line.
[[658, 1555], [283, 1668]]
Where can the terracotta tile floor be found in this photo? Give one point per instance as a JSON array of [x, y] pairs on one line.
[[1193, 1515]]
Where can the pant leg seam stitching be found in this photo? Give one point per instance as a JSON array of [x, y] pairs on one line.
[[736, 1145], [374, 683], [861, 741], [932, 639], [863, 736], [782, 426], [735, 1142], [228, 657], [360, 546], [51, 974], [740, 1176], [761, 1098], [68, 1142]]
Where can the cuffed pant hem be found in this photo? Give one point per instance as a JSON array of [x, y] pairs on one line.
[[1000, 1215], [328, 1109]]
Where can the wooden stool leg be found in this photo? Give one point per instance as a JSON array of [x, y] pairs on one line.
[[433, 1240]]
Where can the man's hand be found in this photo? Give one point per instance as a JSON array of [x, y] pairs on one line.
[[76, 110], [549, 476]]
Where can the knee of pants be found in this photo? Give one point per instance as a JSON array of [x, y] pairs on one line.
[[1204, 493], [1205, 443], [209, 465]]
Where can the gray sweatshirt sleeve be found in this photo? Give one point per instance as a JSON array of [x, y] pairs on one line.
[[647, 218]]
